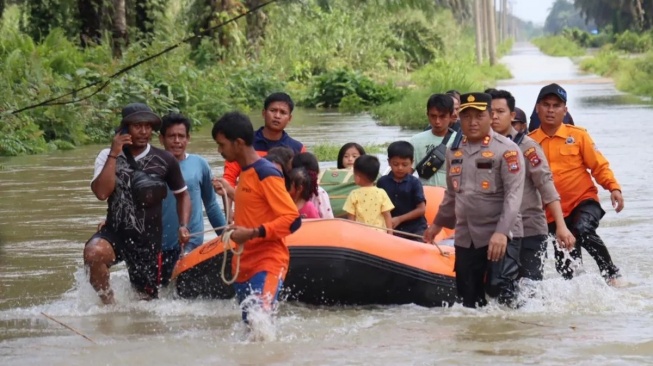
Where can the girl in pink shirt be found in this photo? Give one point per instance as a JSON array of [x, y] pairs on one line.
[[302, 187]]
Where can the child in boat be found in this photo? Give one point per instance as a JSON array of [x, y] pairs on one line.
[[320, 200], [369, 204], [284, 156], [405, 191], [348, 153], [303, 185]]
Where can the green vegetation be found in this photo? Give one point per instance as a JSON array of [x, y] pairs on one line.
[[460, 73], [558, 46], [631, 74], [335, 53], [329, 152], [624, 35]]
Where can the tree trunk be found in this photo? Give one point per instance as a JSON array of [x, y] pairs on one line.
[[2, 8], [119, 37], [256, 23], [90, 14]]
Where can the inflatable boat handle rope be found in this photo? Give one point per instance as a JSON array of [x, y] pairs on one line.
[[226, 241], [405, 233]]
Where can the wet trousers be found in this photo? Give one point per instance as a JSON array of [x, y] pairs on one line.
[[476, 275], [583, 222]]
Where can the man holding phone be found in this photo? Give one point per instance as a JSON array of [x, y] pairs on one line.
[[133, 176]]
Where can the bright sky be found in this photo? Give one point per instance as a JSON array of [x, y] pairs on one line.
[[535, 11]]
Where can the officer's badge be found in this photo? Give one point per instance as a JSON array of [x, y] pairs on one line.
[[570, 140], [470, 99], [532, 157], [512, 160], [485, 184]]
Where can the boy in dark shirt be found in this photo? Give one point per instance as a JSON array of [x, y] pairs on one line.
[[405, 191]]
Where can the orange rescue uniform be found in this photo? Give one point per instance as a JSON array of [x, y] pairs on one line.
[[571, 153], [261, 201]]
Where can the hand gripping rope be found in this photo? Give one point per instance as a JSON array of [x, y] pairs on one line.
[[236, 250]]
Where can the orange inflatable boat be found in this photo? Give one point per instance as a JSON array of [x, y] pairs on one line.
[[341, 262]]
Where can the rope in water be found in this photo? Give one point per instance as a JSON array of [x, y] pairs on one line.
[[68, 327]]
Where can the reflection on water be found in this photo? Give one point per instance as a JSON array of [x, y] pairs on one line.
[[47, 212]]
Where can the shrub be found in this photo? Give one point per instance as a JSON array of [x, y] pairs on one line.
[[632, 42], [330, 88], [558, 46]]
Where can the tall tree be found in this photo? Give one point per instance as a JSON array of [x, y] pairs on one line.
[[256, 22], [563, 15], [620, 14], [119, 37], [90, 17]]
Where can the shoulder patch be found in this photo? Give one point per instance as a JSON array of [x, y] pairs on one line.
[[512, 160], [532, 157]]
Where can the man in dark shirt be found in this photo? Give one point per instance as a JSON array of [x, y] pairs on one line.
[[405, 191], [133, 227]]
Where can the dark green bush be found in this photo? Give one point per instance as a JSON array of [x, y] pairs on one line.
[[328, 89]]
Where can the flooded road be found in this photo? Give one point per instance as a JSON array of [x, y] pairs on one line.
[[47, 212]]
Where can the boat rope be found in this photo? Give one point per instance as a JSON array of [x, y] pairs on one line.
[[68, 327], [394, 231], [236, 250]]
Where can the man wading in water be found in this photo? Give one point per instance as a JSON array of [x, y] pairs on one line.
[[538, 190], [573, 155], [485, 184], [264, 215], [134, 177]]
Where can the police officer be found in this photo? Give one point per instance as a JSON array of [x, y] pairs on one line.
[[538, 189], [485, 182]]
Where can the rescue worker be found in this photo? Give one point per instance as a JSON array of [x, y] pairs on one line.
[[485, 182], [538, 190], [572, 154]]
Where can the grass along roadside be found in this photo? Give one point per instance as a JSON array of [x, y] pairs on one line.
[[462, 74], [559, 46], [630, 74]]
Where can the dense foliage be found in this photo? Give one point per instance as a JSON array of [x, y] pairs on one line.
[[351, 54]]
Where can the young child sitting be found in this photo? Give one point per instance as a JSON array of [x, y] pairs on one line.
[[301, 189], [320, 200], [348, 154], [405, 191], [369, 204]]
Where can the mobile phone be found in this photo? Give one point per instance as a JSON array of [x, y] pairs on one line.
[[124, 131]]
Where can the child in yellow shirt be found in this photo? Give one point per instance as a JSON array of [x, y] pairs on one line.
[[369, 204]]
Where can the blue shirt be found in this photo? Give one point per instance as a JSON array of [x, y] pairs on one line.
[[197, 175], [405, 195]]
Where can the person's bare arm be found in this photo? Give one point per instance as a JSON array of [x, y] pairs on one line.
[[104, 184]]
